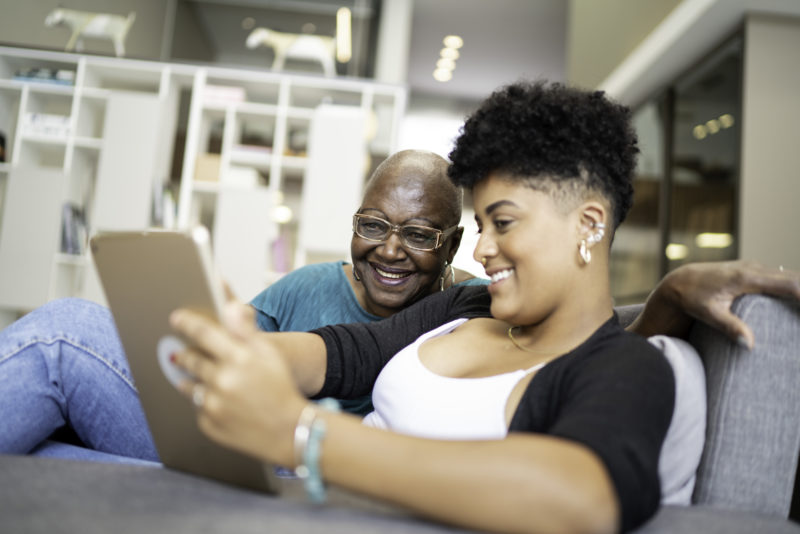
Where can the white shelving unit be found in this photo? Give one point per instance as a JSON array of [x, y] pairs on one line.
[[111, 141]]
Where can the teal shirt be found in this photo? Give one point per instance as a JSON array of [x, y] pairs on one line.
[[314, 296]]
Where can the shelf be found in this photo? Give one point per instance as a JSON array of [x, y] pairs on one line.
[[47, 88], [217, 187], [11, 85], [51, 140], [295, 163], [91, 143], [94, 92], [253, 108], [300, 113], [260, 159]]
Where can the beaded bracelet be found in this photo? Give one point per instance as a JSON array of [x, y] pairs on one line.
[[308, 436]]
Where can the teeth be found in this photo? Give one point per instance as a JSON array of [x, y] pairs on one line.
[[390, 275], [501, 275]]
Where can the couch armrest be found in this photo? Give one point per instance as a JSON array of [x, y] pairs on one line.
[[628, 313], [753, 432]]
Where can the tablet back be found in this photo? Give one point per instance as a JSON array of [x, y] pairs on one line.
[[146, 275]]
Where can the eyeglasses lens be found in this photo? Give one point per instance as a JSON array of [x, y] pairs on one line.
[[416, 237]]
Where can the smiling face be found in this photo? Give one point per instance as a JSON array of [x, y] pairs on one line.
[[529, 240], [392, 275]]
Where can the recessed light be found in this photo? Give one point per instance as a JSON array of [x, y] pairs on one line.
[[699, 132], [726, 120], [445, 63], [677, 251], [453, 41], [713, 240], [449, 53], [442, 75]]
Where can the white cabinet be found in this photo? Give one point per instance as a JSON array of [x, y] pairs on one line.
[[108, 126], [94, 129], [252, 131]]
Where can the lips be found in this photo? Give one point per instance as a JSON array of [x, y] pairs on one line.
[[501, 275], [389, 276]]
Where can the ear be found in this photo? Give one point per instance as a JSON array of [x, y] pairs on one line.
[[591, 214], [454, 243]]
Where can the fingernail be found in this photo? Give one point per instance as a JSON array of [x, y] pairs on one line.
[[742, 341]]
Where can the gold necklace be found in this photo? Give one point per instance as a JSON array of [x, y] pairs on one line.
[[520, 347]]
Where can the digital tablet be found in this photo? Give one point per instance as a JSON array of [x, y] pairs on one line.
[[146, 275]]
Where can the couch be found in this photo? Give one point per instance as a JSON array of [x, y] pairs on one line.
[[745, 481]]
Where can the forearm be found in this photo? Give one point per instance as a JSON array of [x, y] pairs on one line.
[[662, 315], [523, 483]]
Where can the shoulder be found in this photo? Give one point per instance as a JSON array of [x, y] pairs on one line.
[[473, 282], [308, 275], [462, 300]]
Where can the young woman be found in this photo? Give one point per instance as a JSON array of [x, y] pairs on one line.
[[524, 407]]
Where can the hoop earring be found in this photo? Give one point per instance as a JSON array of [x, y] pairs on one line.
[[452, 277], [355, 274], [586, 254]]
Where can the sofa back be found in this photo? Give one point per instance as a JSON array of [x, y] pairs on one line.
[[753, 433]]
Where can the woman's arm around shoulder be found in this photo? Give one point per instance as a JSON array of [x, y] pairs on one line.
[[706, 291]]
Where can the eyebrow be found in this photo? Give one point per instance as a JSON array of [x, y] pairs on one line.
[[427, 221], [495, 205]]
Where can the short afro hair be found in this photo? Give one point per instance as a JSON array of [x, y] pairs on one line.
[[552, 134]]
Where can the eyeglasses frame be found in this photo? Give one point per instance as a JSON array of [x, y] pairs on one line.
[[441, 235]]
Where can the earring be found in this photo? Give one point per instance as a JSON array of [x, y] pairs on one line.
[[598, 235], [586, 255], [484, 261], [452, 277], [355, 274]]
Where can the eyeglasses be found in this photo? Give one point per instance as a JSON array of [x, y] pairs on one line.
[[412, 236]]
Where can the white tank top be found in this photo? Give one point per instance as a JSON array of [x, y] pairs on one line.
[[411, 399]]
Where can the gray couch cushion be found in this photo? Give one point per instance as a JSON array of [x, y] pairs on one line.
[[753, 434], [55, 496]]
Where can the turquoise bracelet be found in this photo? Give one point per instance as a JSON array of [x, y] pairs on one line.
[[309, 434]]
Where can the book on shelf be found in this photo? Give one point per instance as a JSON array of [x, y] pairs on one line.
[[44, 75]]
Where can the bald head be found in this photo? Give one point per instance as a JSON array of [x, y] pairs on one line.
[[428, 171]]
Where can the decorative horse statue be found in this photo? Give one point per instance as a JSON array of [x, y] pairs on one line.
[[88, 24], [296, 46]]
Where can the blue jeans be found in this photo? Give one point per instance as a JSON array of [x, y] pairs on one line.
[[63, 365]]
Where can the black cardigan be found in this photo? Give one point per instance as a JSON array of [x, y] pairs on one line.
[[614, 393]]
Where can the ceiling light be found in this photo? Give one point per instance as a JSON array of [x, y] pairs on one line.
[[453, 41], [248, 23], [445, 63], [726, 120], [713, 240], [449, 53], [344, 49], [699, 132], [712, 126], [282, 214], [443, 75], [676, 251]]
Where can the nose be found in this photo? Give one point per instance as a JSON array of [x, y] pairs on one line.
[[392, 248], [484, 248]]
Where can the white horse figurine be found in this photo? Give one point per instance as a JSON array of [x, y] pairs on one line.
[[296, 46], [88, 24]]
